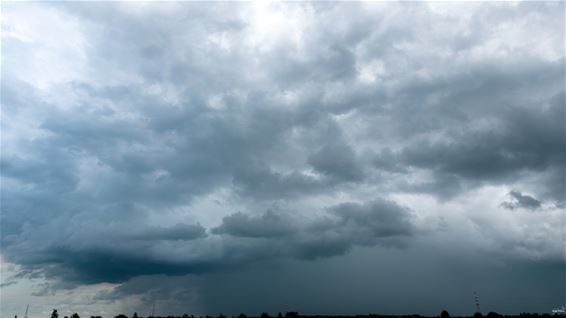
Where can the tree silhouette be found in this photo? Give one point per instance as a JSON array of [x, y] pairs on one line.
[[265, 315], [135, 315], [242, 315], [492, 314], [54, 314], [444, 314], [75, 315]]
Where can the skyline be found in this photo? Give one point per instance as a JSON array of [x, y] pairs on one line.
[[318, 157]]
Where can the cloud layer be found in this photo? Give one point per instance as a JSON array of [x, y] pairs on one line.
[[147, 141]]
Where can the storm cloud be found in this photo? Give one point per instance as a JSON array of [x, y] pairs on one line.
[[151, 151]]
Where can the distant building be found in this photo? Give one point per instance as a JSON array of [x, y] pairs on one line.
[[559, 311]]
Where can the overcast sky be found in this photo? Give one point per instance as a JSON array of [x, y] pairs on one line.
[[331, 158]]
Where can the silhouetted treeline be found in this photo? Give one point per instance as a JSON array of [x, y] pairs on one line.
[[294, 314]]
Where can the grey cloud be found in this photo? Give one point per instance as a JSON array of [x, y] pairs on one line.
[[388, 161], [102, 262], [473, 157], [8, 283], [307, 287], [261, 182], [520, 200], [338, 160], [270, 224], [143, 113], [105, 265], [85, 250], [379, 222], [330, 62], [383, 218], [178, 232], [92, 253]]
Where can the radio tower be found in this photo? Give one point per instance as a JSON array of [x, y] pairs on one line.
[[477, 300], [26, 314]]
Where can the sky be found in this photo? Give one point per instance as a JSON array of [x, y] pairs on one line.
[[319, 157]]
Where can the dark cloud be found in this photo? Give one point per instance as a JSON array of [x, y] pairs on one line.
[[307, 286], [520, 200], [518, 143], [270, 224], [178, 232], [133, 133], [379, 222], [97, 253], [339, 161], [262, 182], [8, 283], [104, 265], [381, 217]]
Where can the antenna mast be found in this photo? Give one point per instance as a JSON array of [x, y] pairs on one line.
[[26, 314], [477, 300]]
